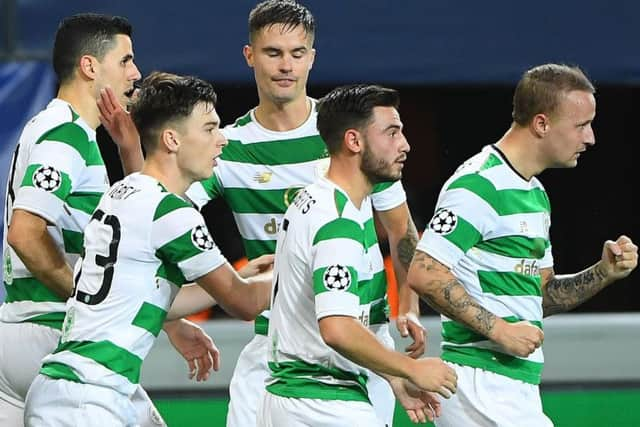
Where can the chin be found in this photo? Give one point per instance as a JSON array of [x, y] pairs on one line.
[[283, 98], [205, 175]]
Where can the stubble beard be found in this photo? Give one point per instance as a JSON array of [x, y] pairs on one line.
[[377, 170]]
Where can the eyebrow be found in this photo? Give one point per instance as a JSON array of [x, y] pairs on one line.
[[277, 49], [393, 126], [212, 123]]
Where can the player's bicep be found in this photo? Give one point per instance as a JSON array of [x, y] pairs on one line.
[[460, 222], [387, 195], [181, 240], [427, 274], [337, 254]]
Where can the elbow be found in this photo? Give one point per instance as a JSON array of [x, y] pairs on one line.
[[246, 312], [332, 332], [15, 238], [424, 288]]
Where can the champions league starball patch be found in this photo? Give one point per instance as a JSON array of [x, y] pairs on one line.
[[337, 278], [201, 238], [443, 222], [47, 178]]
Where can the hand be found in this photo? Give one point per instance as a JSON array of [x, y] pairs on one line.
[[619, 258], [432, 374], [420, 405], [116, 120], [408, 324], [195, 346], [256, 266], [520, 338]]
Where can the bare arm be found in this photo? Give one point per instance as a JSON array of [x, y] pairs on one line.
[[241, 298], [441, 290], [565, 292], [193, 299], [29, 237], [403, 238], [435, 283], [350, 338], [190, 299], [117, 121]]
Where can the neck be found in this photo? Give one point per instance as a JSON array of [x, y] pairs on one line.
[[285, 116], [346, 174], [166, 172], [519, 146], [82, 100]]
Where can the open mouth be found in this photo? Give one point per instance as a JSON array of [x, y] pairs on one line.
[[133, 90]]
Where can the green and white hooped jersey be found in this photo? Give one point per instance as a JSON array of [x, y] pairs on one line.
[[323, 267], [260, 172], [141, 245], [57, 173], [491, 228]]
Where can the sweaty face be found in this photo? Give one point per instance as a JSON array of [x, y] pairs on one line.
[[281, 58], [117, 69], [201, 142], [570, 131], [385, 146]]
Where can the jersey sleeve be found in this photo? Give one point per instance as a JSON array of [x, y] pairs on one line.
[[388, 195], [201, 192], [182, 241], [336, 255], [55, 166], [460, 221]]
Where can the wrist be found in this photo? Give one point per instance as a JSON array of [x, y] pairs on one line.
[[602, 273], [409, 368], [170, 325], [496, 333]]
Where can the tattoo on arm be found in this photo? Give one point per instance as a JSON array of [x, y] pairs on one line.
[[567, 292], [407, 245], [451, 299]]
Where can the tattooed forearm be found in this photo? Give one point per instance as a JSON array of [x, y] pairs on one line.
[[564, 293], [407, 245], [461, 307], [449, 297]]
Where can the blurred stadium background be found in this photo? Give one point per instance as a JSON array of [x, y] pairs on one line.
[[455, 64]]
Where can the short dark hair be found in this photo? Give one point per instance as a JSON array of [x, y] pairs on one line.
[[351, 107], [541, 88], [85, 34], [287, 12], [165, 98]]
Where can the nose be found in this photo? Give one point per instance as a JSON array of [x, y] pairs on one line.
[[590, 136], [285, 64], [406, 147], [135, 73], [223, 140]]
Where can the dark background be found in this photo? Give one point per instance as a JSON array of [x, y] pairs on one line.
[[445, 125]]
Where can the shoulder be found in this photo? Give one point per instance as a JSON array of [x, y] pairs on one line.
[[241, 127], [168, 203]]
